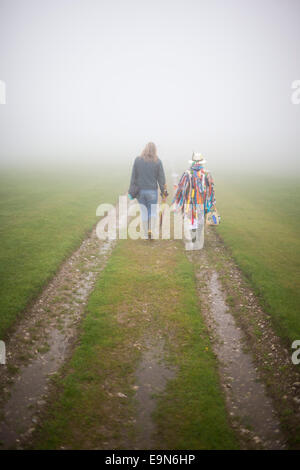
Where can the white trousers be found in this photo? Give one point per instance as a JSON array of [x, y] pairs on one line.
[[194, 237]]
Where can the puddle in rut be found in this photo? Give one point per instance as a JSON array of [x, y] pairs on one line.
[[21, 410], [246, 396], [29, 390], [152, 376]]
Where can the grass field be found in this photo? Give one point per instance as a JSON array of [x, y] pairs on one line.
[[43, 216], [260, 224]]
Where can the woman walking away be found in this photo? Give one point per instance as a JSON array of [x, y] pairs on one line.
[[147, 173]]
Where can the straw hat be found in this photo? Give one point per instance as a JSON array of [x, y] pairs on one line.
[[198, 157]]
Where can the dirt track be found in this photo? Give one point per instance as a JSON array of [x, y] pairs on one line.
[[261, 384], [45, 337]]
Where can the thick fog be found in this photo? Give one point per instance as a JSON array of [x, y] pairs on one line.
[[95, 80]]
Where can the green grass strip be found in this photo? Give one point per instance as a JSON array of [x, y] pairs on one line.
[[147, 290], [260, 225]]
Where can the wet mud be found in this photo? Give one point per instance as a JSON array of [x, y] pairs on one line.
[[246, 395], [44, 339], [152, 376]]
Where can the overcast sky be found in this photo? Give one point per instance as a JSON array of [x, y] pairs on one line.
[[97, 79]]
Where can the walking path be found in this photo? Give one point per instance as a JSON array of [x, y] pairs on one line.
[[44, 340], [260, 382], [246, 397], [156, 371]]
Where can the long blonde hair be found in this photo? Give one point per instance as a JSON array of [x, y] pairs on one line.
[[150, 152]]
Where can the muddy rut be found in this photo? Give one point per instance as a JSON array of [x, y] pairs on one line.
[[44, 339], [259, 381]]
